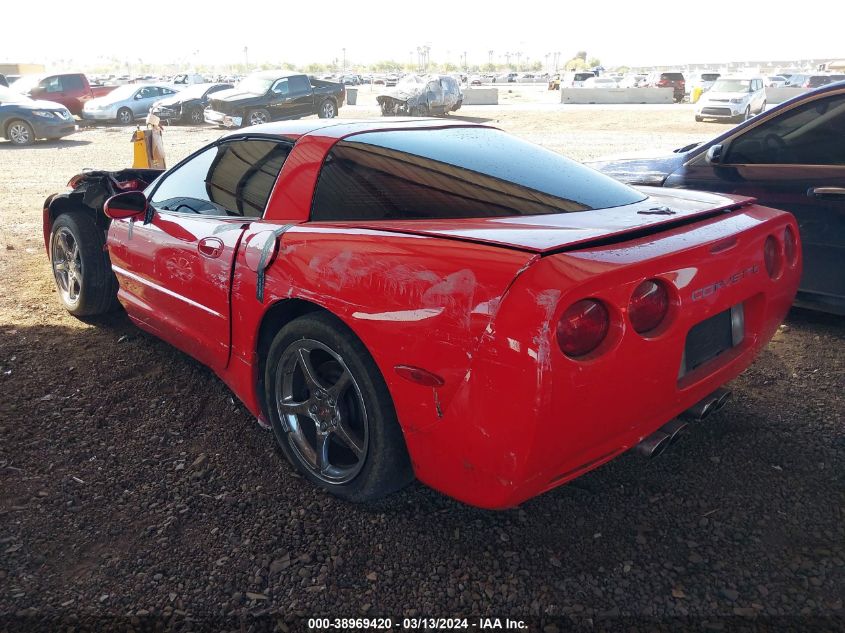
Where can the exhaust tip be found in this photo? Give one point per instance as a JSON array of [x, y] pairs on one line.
[[674, 429], [654, 444]]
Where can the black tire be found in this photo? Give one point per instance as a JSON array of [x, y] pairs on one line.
[[125, 116], [762, 108], [96, 291], [256, 117], [196, 116], [327, 110], [698, 119], [20, 133], [384, 465]]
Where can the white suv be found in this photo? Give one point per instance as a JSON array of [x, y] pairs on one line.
[[734, 98]]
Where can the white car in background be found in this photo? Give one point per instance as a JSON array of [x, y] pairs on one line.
[[774, 81], [732, 98], [600, 82]]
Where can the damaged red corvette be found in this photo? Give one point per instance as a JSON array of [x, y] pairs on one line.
[[421, 298]]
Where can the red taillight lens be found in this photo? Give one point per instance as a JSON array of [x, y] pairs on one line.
[[771, 255], [582, 327], [649, 305], [790, 246]]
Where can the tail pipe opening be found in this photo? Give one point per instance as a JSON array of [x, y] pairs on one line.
[[708, 405], [663, 438]]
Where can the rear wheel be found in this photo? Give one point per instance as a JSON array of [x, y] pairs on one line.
[[698, 118], [125, 116], [331, 412], [81, 267], [328, 110], [747, 114], [20, 133]]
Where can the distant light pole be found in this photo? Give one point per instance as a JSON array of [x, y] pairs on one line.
[[518, 61], [246, 59], [490, 58], [466, 67], [344, 60]]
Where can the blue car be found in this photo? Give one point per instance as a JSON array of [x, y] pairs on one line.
[[22, 120], [791, 157]]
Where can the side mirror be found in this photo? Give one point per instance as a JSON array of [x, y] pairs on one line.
[[714, 155], [126, 205]]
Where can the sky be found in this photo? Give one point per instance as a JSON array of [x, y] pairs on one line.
[[649, 32]]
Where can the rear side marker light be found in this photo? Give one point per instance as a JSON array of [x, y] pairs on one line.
[[419, 375], [772, 257], [582, 327], [790, 247], [648, 306]]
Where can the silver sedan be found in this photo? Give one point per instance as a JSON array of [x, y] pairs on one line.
[[126, 103]]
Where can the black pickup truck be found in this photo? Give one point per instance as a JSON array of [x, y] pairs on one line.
[[272, 95]]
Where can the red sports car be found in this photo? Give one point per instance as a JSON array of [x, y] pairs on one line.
[[441, 300]]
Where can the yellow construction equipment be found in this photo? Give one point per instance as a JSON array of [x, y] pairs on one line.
[[695, 95], [147, 145]]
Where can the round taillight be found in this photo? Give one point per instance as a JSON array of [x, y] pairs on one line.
[[771, 255], [582, 327], [649, 305], [790, 246]]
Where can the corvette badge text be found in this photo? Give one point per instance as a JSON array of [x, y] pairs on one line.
[[713, 288]]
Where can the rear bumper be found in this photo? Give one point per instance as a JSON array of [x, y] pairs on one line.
[[528, 418]]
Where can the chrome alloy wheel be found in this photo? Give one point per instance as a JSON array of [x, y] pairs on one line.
[[67, 265], [328, 110], [20, 133], [322, 411], [257, 118]]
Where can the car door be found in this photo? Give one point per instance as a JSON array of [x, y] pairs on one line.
[[280, 105], [51, 89], [793, 161], [175, 268], [301, 96], [143, 99]]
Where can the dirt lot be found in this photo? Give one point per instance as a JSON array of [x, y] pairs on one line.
[[136, 492]]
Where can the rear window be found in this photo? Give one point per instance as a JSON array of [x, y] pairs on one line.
[[710, 76], [455, 173], [583, 76], [672, 76]]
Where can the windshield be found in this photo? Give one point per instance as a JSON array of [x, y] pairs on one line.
[[410, 81], [26, 83], [732, 85], [121, 92], [256, 85], [194, 92], [7, 95]]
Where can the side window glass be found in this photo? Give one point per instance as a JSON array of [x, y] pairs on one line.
[[53, 84], [232, 179], [298, 85], [281, 87], [72, 82], [812, 134]]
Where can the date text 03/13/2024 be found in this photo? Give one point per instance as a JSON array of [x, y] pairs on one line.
[[346, 624]]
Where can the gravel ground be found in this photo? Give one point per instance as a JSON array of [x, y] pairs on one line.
[[136, 494]]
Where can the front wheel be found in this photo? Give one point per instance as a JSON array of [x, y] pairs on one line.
[[84, 279], [196, 117], [328, 110], [331, 411], [20, 133], [125, 116], [257, 117]]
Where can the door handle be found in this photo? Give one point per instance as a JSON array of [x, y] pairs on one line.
[[210, 247], [823, 192]]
